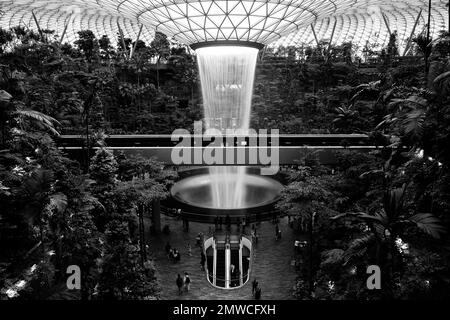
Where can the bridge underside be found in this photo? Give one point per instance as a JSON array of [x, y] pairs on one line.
[[291, 148]]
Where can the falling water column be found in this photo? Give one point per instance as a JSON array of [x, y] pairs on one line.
[[227, 75]]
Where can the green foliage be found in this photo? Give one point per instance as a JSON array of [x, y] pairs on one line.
[[103, 167], [388, 207], [87, 44], [122, 276]]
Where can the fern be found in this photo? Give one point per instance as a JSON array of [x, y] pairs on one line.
[[39, 119], [428, 223]]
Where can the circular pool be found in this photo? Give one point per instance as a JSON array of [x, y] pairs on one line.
[[196, 191], [193, 194]]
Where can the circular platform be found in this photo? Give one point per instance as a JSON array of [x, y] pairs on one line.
[[193, 195]]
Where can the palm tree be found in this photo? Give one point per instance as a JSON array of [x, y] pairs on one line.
[[365, 90], [425, 45], [387, 226], [22, 117], [407, 118], [37, 119], [392, 218]]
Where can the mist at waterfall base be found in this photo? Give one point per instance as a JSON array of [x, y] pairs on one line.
[[227, 74]]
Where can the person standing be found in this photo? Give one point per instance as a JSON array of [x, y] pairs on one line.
[[277, 232], [199, 239], [228, 222], [187, 282], [244, 224], [297, 246], [176, 256], [254, 235], [258, 293], [202, 260], [220, 223], [179, 284], [254, 286], [189, 249], [168, 247]]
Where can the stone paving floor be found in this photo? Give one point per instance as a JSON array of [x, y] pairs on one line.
[[271, 263]]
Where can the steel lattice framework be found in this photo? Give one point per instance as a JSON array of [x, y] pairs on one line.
[[276, 22]]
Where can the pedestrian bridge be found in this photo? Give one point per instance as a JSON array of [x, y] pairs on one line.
[[292, 148]]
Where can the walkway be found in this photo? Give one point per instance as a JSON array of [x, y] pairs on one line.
[[271, 265]]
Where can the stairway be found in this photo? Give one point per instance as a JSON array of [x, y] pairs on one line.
[[235, 261], [220, 268], [210, 263], [270, 266]]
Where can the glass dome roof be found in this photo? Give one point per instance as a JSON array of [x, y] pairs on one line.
[[362, 21], [276, 22]]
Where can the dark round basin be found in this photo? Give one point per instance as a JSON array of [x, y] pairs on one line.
[[197, 191]]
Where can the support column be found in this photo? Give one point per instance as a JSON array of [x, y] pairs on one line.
[[64, 33], [332, 35], [38, 26], [428, 39], [408, 44], [124, 47], [214, 261], [387, 24], [241, 271], [227, 265], [314, 34], [156, 216], [133, 48]]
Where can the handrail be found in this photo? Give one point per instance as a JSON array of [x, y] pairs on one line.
[[216, 278], [252, 257], [223, 279], [250, 216], [218, 215]]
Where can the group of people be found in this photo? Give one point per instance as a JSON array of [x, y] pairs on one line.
[[298, 245], [240, 223], [172, 253], [183, 283], [218, 222]]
